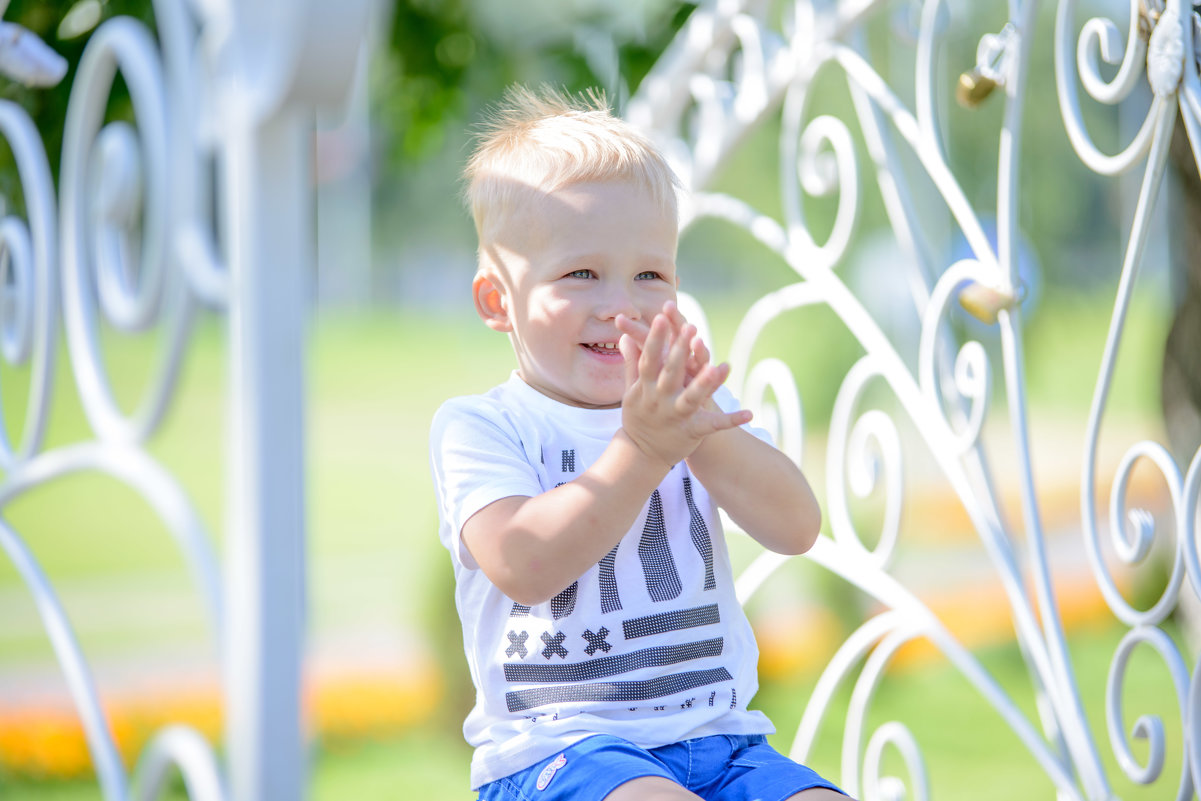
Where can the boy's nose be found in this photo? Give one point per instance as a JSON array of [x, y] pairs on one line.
[[617, 301]]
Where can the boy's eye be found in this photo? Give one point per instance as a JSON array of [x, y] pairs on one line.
[[647, 275], [581, 273]]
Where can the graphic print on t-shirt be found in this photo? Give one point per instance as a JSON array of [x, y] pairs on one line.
[[583, 661], [563, 604], [554, 645], [517, 644], [610, 598], [658, 566], [575, 682], [597, 641], [700, 534]]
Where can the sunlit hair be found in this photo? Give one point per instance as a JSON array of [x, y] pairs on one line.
[[545, 140]]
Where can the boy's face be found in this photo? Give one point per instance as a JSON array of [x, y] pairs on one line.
[[569, 264]]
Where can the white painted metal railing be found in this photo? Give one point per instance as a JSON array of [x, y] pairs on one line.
[[229, 87], [133, 244], [736, 65]]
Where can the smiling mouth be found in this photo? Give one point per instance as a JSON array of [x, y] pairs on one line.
[[603, 348]]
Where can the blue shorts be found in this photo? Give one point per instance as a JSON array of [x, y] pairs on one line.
[[723, 767]]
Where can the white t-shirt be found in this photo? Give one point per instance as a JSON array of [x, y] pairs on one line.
[[650, 644]]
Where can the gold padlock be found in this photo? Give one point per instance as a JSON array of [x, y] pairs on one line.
[[973, 88], [984, 302]]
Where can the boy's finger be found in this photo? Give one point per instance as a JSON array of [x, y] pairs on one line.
[[672, 310], [675, 320], [635, 328], [704, 385], [712, 422], [672, 377], [700, 352], [651, 361], [734, 419]]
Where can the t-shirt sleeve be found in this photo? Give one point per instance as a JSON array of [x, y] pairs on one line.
[[726, 401], [476, 458]]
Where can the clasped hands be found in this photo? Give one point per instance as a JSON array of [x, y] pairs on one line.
[[668, 409]]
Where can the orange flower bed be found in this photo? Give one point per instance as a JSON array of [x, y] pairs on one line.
[[48, 741]]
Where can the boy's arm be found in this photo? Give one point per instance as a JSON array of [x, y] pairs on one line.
[[760, 488], [532, 548]]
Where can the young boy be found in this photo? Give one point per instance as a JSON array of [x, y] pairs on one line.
[[579, 499]]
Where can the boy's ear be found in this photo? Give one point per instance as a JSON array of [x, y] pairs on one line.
[[490, 302]]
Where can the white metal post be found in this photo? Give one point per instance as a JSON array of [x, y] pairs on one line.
[[267, 221], [277, 63]]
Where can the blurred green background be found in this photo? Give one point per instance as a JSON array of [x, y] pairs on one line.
[[393, 336]]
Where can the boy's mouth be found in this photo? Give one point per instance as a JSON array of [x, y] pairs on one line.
[[603, 348]]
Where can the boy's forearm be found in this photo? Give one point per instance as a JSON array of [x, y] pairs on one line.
[[534, 547], [760, 488]]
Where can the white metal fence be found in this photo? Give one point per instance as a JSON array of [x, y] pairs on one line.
[[133, 243], [229, 89], [741, 66]]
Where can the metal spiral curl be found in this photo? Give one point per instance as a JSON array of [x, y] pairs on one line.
[[28, 280], [128, 303], [1100, 40], [820, 160], [1147, 727], [1133, 532], [971, 374], [194, 128], [784, 418], [115, 185], [723, 102], [16, 276], [861, 468], [891, 788], [876, 787], [184, 748], [140, 472]]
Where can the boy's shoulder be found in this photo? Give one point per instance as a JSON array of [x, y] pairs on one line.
[[498, 408], [490, 423], [493, 403]]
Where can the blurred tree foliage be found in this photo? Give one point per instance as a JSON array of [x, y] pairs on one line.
[[444, 62], [445, 57], [65, 27], [441, 61]]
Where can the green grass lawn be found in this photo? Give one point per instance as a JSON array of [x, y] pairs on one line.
[[968, 752], [375, 381]]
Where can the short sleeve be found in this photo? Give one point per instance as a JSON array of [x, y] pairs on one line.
[[726, 401], [477, 457]]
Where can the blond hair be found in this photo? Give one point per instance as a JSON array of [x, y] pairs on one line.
[[542, 141]]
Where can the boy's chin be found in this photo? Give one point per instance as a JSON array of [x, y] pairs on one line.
[[596, 402], [597, 394], [584, 397], [600, 400]]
